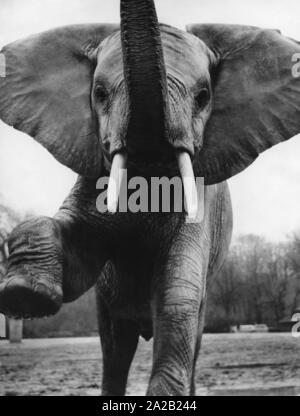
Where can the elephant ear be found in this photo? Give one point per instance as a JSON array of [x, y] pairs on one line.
[[46, 92], [256, 102]]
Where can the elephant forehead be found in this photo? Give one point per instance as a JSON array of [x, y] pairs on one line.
[[110, 58], [186, 57]]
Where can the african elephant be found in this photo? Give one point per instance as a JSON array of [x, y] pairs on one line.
[[145, 95]]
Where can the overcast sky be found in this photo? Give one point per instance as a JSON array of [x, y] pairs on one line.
[[266, 197]]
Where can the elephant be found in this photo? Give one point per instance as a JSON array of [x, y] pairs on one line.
[[159, 102]]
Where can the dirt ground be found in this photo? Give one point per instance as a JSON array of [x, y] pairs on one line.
[[231, 364]]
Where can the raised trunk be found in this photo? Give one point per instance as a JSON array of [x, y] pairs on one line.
[[145, 76], [146, 83]]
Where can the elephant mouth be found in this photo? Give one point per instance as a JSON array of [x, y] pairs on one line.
[[150, 163]]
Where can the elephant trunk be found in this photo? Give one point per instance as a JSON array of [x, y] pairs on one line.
[[146, 83], [145, 76]]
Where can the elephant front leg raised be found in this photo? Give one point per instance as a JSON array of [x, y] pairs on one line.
[[32, 286], [51, 260]]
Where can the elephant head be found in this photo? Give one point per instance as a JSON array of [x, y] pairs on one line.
[[147, 94]]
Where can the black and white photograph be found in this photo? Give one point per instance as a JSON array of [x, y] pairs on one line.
[[150, 200]]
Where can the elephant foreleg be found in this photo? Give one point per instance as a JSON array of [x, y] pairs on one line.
[[175, 337], [179, 293], [51, 260]]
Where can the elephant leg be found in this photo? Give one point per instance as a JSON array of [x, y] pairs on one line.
[[119, 340], [175, 339], [51, 260], [178, 295]]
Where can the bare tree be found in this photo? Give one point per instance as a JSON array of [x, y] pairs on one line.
[[226, 289], [277, 279], [251, 251], [259, 283], [294, 261]]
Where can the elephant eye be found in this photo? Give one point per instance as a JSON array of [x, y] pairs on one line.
[[100, 94], [202, 98]]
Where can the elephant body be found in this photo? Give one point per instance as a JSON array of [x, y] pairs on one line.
[[154, 279], [165, 292]]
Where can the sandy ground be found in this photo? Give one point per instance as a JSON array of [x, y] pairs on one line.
[[231, 364]]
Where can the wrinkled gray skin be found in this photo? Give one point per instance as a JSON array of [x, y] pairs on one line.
[[151, 270], [154, 282]]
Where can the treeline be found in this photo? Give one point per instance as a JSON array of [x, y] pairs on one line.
[[259, 283]]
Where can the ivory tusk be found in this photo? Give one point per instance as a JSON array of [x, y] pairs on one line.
[[115, 182], [189, 184]]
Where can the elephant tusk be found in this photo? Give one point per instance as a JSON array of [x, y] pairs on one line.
[[115, 181], [189, 184]]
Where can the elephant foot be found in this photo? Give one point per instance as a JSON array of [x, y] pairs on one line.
[[32, 286], [25, 297]]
